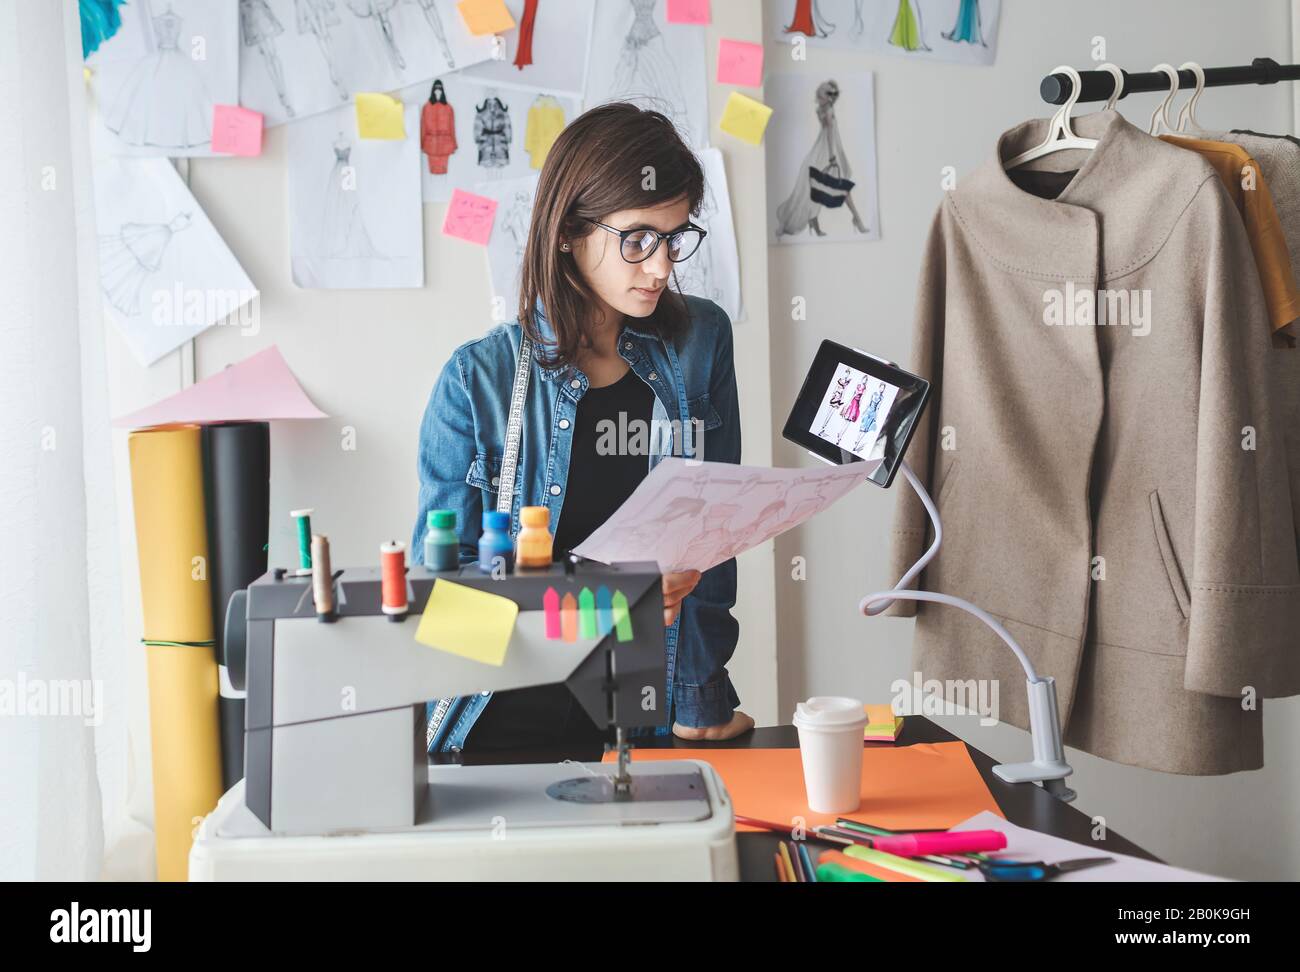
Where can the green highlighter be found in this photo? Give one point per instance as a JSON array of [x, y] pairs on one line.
[[830, 871]]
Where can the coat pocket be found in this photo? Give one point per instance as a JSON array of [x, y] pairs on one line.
[[485, 473], [1173, 571]]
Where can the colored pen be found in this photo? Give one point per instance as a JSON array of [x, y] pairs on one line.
[[805, 859], [786, 863], [953, 842], [780, 868]]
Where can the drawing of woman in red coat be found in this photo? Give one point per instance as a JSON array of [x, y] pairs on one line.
[[437, 130]]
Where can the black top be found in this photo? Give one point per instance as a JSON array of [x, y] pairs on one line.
[[608, 460]]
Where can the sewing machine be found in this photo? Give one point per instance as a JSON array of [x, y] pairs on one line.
[[337, 783]]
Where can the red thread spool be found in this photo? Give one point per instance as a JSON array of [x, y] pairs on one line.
[[392, 560]]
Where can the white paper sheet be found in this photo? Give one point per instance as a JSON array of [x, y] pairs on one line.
[[1024, 844], [835, 135], [165, 273], [505, 250], [301, 57], [714, 270], [156, 80], [689, 515], [355, 217], [636, 55], [963, 31], [561, 43]]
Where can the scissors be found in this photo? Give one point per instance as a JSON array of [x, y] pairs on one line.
[[995, 870]]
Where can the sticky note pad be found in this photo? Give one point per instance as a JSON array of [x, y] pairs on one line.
[[236, 130], [485, 16], [688, 12], [470, 217], [740, 62], [379, 116], [745, 118], [467, 622]]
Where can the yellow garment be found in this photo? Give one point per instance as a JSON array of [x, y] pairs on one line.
[[1235, 166], [545, 122]]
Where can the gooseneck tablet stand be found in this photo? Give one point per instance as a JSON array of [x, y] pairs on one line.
[[1048, 766]]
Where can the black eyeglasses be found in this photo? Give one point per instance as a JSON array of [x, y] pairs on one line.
[[639, 245]]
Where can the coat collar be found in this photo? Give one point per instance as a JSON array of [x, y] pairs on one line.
[[1134, 186], [547, 333]]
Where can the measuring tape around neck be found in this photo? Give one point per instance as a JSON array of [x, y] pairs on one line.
[[515, 424]]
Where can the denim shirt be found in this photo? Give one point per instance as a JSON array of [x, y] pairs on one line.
[[462, 443]]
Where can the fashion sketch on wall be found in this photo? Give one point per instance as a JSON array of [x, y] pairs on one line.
[[355, 219], [302, 57], [833, 183], [714, 271], [637, 56], [165, 273], [505, 249], [492, 133], [548, 50], [964, 31], [157, 79]]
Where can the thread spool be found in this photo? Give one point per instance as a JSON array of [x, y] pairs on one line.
[[303, 518], [392, 560], [322, 582]]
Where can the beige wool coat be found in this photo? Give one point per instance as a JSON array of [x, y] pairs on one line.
[[1118, 499]]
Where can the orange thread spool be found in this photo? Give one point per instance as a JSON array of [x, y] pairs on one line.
[[392, 560]]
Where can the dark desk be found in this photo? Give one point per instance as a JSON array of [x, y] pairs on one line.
[[1022, 803]]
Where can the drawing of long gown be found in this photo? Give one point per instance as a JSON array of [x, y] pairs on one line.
[[824, 177], [343, 233], [164, 101], [908, 32], [646, 72], [967, 28], [808, 20], [130, 256]]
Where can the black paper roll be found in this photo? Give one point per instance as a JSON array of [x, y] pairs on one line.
[[237, 489]]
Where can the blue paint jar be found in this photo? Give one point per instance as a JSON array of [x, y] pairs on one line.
[[495, 542]]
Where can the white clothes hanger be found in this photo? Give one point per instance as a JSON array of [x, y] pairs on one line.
[[1161, 115], [1117, 91], [1187, 114], [1060, 136]]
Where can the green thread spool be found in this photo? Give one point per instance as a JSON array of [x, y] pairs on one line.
[[304, 536]]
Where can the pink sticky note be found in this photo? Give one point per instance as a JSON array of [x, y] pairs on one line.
[[688, 12], [256, 389], [470, 217], [740, 62], [236, 130]]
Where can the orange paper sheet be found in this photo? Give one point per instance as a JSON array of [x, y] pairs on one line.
[[922, 787]]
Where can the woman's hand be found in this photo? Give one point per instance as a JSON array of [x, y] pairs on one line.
[[676, 586]]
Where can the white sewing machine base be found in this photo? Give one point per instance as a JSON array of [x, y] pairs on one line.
[[495, 823]]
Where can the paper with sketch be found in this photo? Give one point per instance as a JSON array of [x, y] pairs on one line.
[[514, 198], [690, 515], [1024, 844], [554, 53], [964, 31], [714, 270]]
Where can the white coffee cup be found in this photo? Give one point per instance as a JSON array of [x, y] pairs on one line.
[[830, 739]]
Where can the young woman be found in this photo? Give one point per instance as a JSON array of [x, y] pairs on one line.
[[613, 342]]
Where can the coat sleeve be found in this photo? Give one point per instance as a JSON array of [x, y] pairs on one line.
[[1244, 616], [911, 532], [447, 450]]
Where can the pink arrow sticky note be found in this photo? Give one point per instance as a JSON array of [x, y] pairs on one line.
[[740, 62], [688, 12], [470, 217], [236, 130], [256, 389]]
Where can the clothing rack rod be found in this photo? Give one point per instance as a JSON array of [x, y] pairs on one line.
[[1098, 85]]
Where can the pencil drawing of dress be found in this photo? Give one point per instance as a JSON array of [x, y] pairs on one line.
[[967, 27], [343, 233], [908, 32], [435, 24], [258, 28], [130, 256], [873, 406], [379, 11], [824, 178], [317, 17], [850, 411], [646, 72], [164, 101], [492, 134]]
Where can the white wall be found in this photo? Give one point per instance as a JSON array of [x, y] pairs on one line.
[[930, 116]]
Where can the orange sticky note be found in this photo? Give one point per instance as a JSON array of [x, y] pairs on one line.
[[740, 62], [236, 130], [688, 12], [485, 16], [745, 118], [920, 787], [470, 217]]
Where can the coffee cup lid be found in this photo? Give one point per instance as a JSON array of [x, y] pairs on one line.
[[829, 711]]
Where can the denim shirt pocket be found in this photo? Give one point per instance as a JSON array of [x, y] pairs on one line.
[[485, 473], [703, 414]]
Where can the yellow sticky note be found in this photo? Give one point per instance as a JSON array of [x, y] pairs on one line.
[[745, 118], [467, 622], [379, 116], [485, 16]]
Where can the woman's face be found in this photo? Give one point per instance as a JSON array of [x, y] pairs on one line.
[[632, 289]]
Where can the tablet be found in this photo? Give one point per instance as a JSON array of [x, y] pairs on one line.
[[857, 408]]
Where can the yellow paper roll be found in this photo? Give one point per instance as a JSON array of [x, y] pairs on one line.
[[171, 533]]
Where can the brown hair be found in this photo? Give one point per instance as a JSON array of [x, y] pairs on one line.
[[611, 158]]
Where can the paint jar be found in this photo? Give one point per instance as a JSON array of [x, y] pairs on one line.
[[533, 545], [441, 543], [495, 542]]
